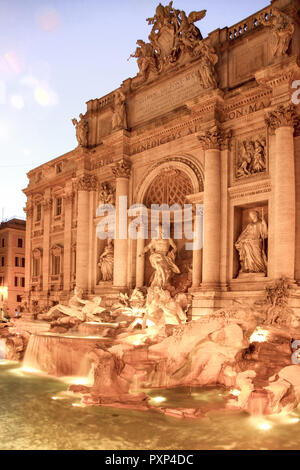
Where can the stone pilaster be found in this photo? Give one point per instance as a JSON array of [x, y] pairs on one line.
[[28, 257], [68, 199], [47, 208], [121, 171], [281, 121], [85, 185]]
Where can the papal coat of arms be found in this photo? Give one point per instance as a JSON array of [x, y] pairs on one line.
[[174, 40]]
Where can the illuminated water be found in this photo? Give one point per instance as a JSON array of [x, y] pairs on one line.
[[31, 419]]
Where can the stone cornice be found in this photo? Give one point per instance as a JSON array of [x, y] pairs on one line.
[[282, 116], [122, 169], [250, 189]]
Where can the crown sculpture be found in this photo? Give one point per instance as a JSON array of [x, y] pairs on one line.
[[174, 41]]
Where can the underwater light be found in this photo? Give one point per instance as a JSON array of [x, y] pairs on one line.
[[158, 399], [264, 426], [259, 336]]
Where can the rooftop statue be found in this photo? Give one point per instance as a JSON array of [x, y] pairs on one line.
[[282, 31], [82, 130], [174, 40]]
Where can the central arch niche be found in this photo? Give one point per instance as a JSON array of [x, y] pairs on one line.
[[170, 186]]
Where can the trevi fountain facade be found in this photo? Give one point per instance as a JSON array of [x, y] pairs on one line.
[[208, 126]]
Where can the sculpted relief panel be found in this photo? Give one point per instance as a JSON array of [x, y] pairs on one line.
[[251, 155]]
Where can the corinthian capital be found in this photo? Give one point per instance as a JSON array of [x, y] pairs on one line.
[[215, 138], [121, 169], [28, 209], [282, 116], [87, 183]]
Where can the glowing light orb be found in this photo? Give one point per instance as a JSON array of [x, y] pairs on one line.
[[264, 426], [17, 101], [235, 392], [158, 399], [259, 336], [42, 96]]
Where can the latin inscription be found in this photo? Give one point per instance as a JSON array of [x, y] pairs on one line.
[[158, 101]]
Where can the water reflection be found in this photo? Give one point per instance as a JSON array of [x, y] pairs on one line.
[[37, 413]]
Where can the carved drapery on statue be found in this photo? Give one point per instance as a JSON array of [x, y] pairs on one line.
[[119, 118], [250, 245], [175, 40], [251, 156], [106, 262], [282, 28], [82, 130], [162, 259]]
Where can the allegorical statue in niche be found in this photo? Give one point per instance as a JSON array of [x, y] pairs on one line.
[[250, 245], [162, 259], [82, 130], [106, 262], [119, 119], [282, 28]]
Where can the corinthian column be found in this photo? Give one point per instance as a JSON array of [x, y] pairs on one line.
[[282, 260], [121, 172], [85, 185], [211, 142]]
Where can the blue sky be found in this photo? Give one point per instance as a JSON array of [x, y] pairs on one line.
[[55, 56]]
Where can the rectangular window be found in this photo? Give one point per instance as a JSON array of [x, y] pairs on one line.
[[2, 261], [23, 262], [17, 261], [22, 281], [58, 206], [38, 212], [20, 242], [36, 267], [3, 242], [19, 299], [1, 281], [55, 265], [16, 282]]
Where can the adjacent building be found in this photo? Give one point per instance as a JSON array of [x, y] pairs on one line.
[[205, 121], [12, 264]]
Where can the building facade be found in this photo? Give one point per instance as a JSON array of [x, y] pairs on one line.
[[209, 121], [12, 264]]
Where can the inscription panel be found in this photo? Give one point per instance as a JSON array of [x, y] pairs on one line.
[[164, 97]]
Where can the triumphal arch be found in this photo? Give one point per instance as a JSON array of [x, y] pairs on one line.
[[210, 122]]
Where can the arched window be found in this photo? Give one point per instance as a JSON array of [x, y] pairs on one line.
[[170, 187]]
